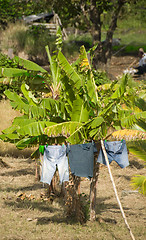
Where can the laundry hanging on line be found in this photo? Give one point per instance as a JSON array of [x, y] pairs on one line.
[[55, 156], [116, 151], [81, 159]]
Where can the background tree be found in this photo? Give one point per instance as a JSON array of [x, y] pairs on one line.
[[94, 16], [12, 10]]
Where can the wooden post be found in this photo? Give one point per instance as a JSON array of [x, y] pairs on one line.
[[38, 175]]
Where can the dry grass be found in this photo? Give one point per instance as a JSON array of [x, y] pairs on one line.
[[38, 219], [7, 114], [9, 37], [35, 219]]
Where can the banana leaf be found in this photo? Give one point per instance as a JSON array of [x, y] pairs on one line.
[[12, 72], [29, 65], [70, 72], [34, 129], [70, 130], [10, 137], [130, 120], [80, 112], [138, 148], [139, 182], [55, 69], [121, 88]]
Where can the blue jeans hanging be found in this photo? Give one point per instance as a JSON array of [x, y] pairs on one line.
[[116, 151], [81, 159]]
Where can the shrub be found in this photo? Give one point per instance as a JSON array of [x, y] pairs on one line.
[[30, 40]]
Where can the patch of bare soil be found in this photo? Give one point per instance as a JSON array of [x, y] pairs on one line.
[[121, 63], [25, 215]]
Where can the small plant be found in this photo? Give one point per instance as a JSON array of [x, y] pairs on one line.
[[85, 206], [100, 77], [7, 62], [139, 182]]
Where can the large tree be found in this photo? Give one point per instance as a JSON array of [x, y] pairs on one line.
[[92, 15], [89, 15]]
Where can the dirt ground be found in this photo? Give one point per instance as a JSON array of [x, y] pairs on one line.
[[25, 215], [121, 63]]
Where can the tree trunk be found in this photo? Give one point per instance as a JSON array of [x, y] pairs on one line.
[[73, 203], [104, 49], [93, 187]]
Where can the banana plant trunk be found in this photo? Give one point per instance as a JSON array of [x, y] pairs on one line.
[[93, 186], [93, 190]]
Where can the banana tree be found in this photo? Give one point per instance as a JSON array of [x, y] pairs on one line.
[[92, 115], [114, 107], [80, 112]]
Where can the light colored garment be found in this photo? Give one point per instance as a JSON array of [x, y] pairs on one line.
[[55, 156], [142, 61]]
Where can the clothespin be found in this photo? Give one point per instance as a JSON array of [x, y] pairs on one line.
[[105, 140], [41, 149], [122, 140]]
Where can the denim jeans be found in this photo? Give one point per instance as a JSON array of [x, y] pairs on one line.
[[81, 159], [55, 156], [116, 151]]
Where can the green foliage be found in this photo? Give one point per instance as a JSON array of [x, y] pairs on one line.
[[35, 43], [138, 148], [27, 130], [12, 10], [7, 62], [109, 106], [71, 73], [139, 182], [70, 130], [59, 41], [100, 77], [78, 110], [19, 70], [29, 65]]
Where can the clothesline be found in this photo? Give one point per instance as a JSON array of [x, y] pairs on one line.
[[81, 161]]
